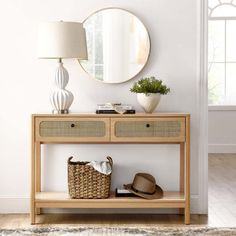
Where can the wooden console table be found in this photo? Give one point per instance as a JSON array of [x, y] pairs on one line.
[[159, 128]]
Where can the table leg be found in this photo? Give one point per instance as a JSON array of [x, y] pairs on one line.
[[187, 172], [182, 172], [38, 171], [32, 212], [187, 215]]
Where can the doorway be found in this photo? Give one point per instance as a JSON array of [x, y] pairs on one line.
[[221, 74]]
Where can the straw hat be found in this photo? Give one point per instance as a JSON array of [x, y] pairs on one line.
[[144, 185]]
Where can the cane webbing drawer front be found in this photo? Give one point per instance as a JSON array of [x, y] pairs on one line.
[[84, 129], [72, 129], [164, 129]]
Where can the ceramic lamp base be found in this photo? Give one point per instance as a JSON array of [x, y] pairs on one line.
[[61, 99]]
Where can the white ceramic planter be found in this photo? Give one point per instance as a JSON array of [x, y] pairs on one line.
[[149, 102]]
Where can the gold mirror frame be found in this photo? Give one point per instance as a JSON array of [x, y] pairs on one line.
[[148, 53]]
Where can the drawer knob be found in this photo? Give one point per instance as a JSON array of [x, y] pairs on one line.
[[72, 125], [147, 125]]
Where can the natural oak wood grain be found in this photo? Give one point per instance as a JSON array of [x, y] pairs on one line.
[[13, 221], [187, 173], [60, 200], [182, 171], [222, 189], [179, 199], [33, 156], [38, 171], [160, 114]]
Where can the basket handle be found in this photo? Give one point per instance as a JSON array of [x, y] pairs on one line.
[[69, 160], [110, 160]]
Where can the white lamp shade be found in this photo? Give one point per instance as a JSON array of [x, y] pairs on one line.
[[62, 40]]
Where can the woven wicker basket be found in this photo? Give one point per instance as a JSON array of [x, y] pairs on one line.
[[86, 182]]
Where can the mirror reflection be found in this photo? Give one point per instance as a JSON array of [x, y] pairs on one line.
[[118, 45]]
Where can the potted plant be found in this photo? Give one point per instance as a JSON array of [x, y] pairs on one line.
[[149, 91]]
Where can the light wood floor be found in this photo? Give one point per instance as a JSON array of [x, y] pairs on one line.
[[222, 189], [222, 206]]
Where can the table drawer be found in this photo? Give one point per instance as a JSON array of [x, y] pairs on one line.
[[148, 130], [83, 129]]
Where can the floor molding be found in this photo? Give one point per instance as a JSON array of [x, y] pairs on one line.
[[222, 148], [13, 205]]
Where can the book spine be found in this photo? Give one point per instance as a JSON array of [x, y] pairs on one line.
[[113, 112], [111, 108], [123, 194], [105, 108]]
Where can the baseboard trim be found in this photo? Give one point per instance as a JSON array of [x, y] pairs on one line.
[[14, 205], [20, 205], [222, 148]]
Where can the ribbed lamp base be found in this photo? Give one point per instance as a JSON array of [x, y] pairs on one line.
[[61, 99]]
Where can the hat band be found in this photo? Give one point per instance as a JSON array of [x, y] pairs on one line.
[[138, 191]]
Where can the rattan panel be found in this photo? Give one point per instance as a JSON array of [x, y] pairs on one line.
[[148, 129], [72, 129]]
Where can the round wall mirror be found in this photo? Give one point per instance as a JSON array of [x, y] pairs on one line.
[[118, 45]]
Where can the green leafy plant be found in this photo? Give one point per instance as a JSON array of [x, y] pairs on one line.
[[150, 85]]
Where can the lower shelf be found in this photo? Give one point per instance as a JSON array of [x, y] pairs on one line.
[[63, 200]]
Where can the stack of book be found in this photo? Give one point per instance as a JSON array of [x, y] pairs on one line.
[[121, 192], [114, 108]]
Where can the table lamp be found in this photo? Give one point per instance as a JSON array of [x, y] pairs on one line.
[[59, 40]]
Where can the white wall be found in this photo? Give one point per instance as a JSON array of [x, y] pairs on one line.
[[26, 83], [222, 131]]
